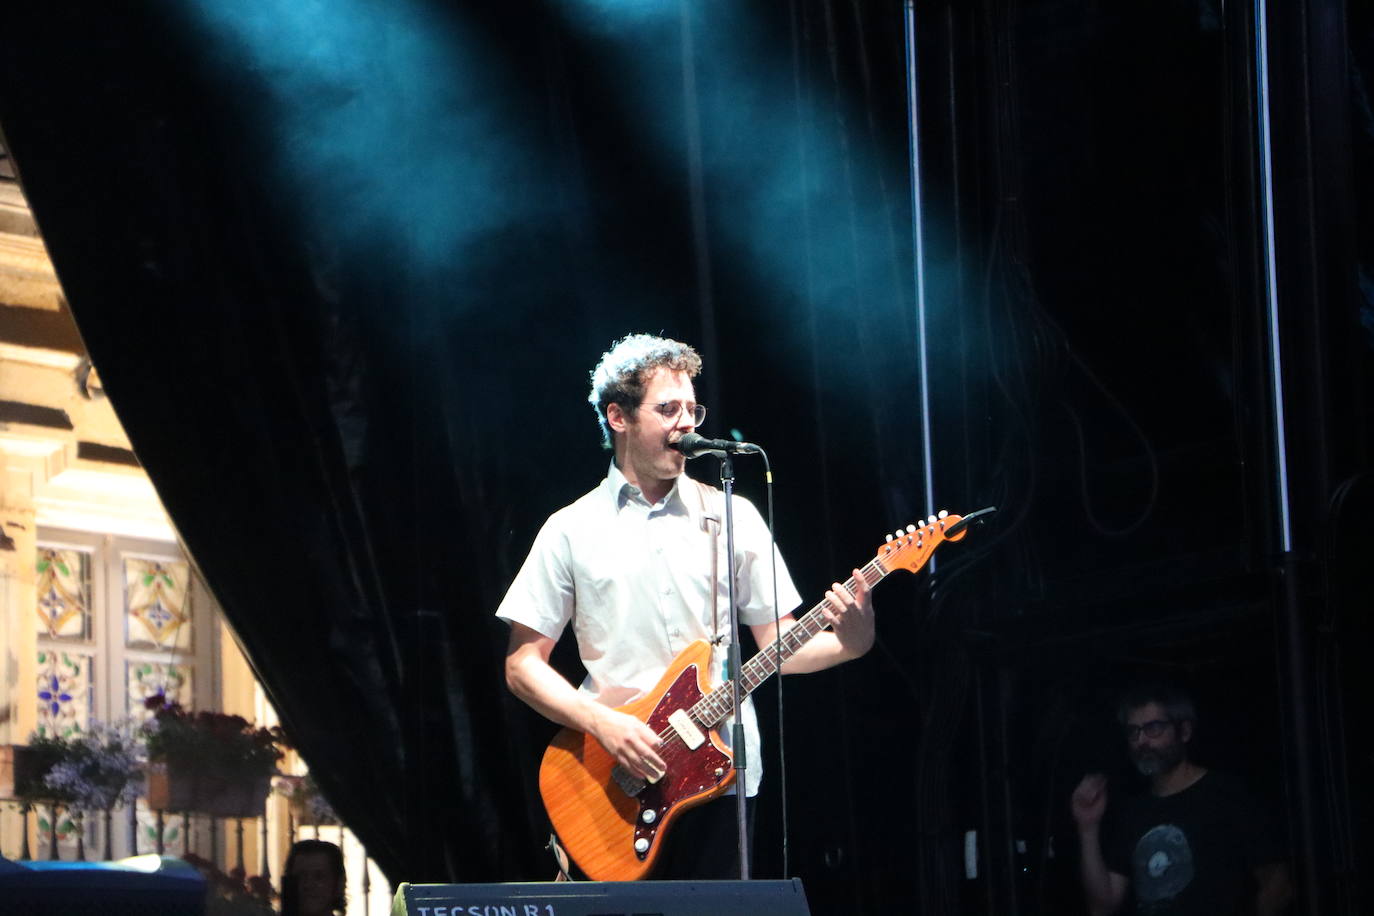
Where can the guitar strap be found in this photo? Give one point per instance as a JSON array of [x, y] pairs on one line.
[[560, 856], [710, 524]]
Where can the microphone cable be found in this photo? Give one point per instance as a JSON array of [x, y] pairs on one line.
[[777, 647]]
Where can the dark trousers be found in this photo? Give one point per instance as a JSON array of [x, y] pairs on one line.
[[703, 844]]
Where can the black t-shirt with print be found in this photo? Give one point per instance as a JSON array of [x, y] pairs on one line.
[[1193, 852]]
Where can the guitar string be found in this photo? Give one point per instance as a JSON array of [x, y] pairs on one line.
[[760, 668], [812, 617], [708, 711]]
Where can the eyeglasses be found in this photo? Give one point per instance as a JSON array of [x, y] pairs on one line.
[[1152, 729], [669, 411]]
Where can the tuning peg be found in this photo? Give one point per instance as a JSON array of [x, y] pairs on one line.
[[944, 513], [910, 529]]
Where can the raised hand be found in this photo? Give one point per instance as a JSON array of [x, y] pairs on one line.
[[851, 615], [1089, 801]]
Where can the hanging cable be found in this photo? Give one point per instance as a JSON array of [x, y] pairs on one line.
[[777, 647]]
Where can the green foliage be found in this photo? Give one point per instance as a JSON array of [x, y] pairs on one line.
[[44, 753]]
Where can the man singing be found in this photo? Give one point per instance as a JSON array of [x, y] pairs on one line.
[[629, 565]]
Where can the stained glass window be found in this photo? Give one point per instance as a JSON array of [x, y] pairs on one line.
[[146, 679], [156, 611], [65, 692], [67, 828], [64, 593]]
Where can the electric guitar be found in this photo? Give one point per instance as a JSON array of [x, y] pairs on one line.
[[613, 823]]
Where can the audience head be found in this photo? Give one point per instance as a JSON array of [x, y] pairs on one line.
[[313, 880]]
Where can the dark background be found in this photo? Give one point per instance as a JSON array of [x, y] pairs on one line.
[[356, 374]]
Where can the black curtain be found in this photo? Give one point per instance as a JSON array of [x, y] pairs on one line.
[[357, 437], [344, 279]]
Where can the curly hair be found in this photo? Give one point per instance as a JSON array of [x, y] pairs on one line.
[[625, 368]]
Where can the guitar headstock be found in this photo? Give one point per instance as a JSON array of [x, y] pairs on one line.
[[911, 547]]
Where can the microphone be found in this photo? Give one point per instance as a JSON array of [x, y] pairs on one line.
[[694, 446]]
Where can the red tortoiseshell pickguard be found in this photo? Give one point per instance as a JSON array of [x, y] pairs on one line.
[[692, 776]]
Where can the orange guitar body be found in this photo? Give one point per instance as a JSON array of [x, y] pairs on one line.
[[589, 799]]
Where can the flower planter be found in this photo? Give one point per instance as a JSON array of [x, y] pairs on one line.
[[21, 766], [210, 792], [208, 762]]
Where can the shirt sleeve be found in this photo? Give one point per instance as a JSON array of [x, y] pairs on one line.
[[542, 595], [754, 572]]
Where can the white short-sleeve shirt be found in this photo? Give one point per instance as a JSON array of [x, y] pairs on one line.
[[633, 580]]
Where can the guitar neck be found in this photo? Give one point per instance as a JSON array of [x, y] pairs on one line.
[[713, 708]]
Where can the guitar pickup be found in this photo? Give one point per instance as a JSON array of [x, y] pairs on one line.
[[628, 782], [687, 729]]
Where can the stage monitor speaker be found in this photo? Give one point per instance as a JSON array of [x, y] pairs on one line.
[[75, 890], [604, 898]]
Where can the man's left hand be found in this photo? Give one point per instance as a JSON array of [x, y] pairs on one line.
[[851, 615]]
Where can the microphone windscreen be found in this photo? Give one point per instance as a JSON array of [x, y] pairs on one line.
[[689, 444]]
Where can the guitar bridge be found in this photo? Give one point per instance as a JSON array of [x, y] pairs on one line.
[[629, 783]]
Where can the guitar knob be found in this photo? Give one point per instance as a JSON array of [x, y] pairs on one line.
[[889, 537], [944, 513], [910, 529], [648, 816], [641, 845], [931, 520]]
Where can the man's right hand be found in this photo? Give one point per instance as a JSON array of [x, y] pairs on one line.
[[632, 743], [1089, 801]]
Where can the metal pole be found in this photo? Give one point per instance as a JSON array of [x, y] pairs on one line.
[[919, 255], [266, 869], [367, 882], [1294, 657], [741, 762]]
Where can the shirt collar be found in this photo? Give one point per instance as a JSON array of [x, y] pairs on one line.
[[620, 491]]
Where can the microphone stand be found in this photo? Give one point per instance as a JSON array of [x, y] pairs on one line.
[[741, 763]]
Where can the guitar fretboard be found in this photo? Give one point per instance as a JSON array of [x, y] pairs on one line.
[[713, 708]]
